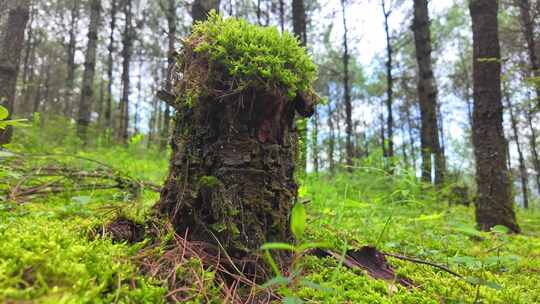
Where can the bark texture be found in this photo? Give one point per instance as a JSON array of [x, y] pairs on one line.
[[231, 175], [494, 205], [85, 106], [427, 95], [112, 26], [11, 44], [527, 23]]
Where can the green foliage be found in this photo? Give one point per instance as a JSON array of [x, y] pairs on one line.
[[49, 252], [5, 122], [255, 55]]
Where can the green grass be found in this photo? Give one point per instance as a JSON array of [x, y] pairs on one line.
[[49, 252]]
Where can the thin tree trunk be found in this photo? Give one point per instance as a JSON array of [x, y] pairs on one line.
[[171, 22], [389, 86], [347, 93], [494, 205], [71, 67], [11, 45], [427, 95], [315, 142], [85, 106], [108, 107], [527, 24], [533, 146], [331, 141], [524, 177], [282, 15], [127, 41]]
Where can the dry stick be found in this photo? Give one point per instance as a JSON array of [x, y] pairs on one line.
[[405, 258]]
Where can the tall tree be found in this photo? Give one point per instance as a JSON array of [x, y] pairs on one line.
[[523, 175], [71, 48], [170, 12], [389, 83], [494, 205], [85, 106], [110, 62], [527, 23], [347, 92], [127, 41], [427, 95], [11, 45], [300, 30]]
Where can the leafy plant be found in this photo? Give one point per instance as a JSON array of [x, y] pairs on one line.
[[5, 122], [287, 282]]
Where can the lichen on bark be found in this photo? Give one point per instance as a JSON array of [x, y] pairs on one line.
[[231, 176]]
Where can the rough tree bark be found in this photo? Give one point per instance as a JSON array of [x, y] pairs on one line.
[[200, 9], [494, 205], [85, 105], [231, 174], [11, 45], [427, 95]]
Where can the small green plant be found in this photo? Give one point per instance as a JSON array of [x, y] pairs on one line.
[[5, 122], [288, 282]]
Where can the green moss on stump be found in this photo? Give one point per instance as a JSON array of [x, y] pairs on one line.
[[240, 55]]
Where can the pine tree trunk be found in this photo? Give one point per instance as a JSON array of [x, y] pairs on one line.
[[494, 204], [389, 88], [427, 95], [127, 41], [85, 105], [71, 67], [527, 24], [300, 30], [347, 93], [524, 177], [109, 106], [11, 45], [171, 22], [533, 146]]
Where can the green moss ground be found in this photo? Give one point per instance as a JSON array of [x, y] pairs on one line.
[[47, 254]]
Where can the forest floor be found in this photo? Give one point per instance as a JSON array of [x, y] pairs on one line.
[[50, 251]]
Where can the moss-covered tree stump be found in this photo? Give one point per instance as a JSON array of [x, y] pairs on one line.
[[237, 89]]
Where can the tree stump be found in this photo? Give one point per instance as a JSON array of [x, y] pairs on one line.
[[231, 175]]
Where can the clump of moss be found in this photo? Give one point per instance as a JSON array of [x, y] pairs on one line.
[[251, 56]]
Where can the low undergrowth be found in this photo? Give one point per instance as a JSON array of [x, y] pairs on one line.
[[50, 251]]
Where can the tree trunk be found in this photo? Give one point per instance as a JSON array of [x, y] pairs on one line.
[[201, 8], [231, 175], [389, 88], [331, 140], [533, 146], [527, 24], [10, 55], [524, 177], [315, 142], [127, 41], [171, 22], [71, 67], [494, 205], [109, 106], [85, 106], [347, 93], [427, 95], [299, 29]]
